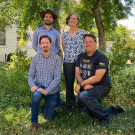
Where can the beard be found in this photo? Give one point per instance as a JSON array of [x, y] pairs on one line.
[[48, 23]]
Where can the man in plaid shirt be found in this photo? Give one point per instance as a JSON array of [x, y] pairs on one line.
[[46, 66]]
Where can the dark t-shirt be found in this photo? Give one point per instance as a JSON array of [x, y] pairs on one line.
[[89, 64]]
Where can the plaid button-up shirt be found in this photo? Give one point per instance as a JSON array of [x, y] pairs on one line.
[[46, 70]]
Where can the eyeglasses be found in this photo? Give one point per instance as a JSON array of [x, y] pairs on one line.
[[74, 19], [90, 42]]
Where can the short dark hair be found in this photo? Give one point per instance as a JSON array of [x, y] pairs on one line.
[[67, 19], [90, 35], [45, 36]]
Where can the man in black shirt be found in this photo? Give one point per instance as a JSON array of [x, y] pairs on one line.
[[92, 74]]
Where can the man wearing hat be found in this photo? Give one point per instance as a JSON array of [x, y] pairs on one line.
[[48, 17]]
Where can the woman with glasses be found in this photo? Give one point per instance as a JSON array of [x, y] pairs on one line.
[[72, 44]]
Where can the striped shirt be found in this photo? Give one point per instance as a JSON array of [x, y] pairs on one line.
[[47, 71]]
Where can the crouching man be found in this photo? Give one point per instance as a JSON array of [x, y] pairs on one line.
[[46, 67], [92, 74]]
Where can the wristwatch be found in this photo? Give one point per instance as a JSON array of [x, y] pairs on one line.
[[79, 83]]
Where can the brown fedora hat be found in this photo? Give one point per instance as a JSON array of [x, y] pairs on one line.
[[48, 11]]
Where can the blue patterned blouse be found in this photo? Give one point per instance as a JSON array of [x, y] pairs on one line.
[[73, 46]]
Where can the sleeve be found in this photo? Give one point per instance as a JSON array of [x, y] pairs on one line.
[[35, 41], [57, 76], [57, 43], [102, 62], [82, 50], [31, 73], [78, 61]]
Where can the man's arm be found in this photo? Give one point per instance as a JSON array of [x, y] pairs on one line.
[[31, 75], [35, 41], [57, 43], [94, 79], [87, 84], [57, 76]]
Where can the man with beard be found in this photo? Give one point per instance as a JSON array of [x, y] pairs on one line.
[[48, 17], [46, 66]]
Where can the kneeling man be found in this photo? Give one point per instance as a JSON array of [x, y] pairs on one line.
[[93, 75], [46, 67]]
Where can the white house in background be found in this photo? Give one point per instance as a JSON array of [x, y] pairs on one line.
[[8, 43]]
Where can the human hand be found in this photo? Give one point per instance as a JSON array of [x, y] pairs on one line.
[[88, 86], [44, 92], [34, 88], [77, 88]]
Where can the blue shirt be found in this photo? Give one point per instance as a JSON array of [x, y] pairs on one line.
[[46, 70], [73, 46], [52, 33]]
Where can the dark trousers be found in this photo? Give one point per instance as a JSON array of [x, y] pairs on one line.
[[92, 98], [69, 73]]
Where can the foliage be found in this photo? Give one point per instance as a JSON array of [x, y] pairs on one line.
[[109, 17], [16, 97], [118, 57], [25, 14], [19, 61], [123, 35]]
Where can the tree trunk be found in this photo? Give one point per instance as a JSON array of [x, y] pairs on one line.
[[56, 9], [100, 27]]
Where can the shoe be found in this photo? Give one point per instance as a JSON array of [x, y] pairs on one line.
[[120, 108], [33, 127], [104, 123], [42, 106]]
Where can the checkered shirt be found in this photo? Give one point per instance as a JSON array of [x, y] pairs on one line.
[[46, 70]]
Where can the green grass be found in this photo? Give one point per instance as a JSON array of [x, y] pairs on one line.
[[15, 101]]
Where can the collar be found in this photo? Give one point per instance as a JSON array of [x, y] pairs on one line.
[[46, 29], [50, 54]]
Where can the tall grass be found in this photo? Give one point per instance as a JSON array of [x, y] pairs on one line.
[[15, 101]]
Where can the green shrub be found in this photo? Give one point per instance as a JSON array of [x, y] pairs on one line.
[[19, 61]]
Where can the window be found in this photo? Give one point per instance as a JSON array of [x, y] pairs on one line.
[[2, 37]]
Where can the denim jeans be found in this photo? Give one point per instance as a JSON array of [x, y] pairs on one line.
[[50, 104], [59, 100], [92, 99]]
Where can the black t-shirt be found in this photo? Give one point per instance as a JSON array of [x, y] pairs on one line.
[[89, 64]]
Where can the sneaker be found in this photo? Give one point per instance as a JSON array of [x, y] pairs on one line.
[[104, 123], [120, 108]]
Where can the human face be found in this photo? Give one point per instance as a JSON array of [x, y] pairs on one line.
[[89, 45], [48, 19], [45, 44], [73, 20]]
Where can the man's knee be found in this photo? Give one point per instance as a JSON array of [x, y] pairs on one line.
[[36, 96], [82, 96]]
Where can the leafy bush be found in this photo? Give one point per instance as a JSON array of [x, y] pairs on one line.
[[19, 61]]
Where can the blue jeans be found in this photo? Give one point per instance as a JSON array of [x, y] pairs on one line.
[[59, 99], [92, 99], [50, 104]]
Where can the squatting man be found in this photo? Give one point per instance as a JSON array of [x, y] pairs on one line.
[[47, 67], [92, 74]]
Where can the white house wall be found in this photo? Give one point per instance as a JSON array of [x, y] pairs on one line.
[[11, 44]]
